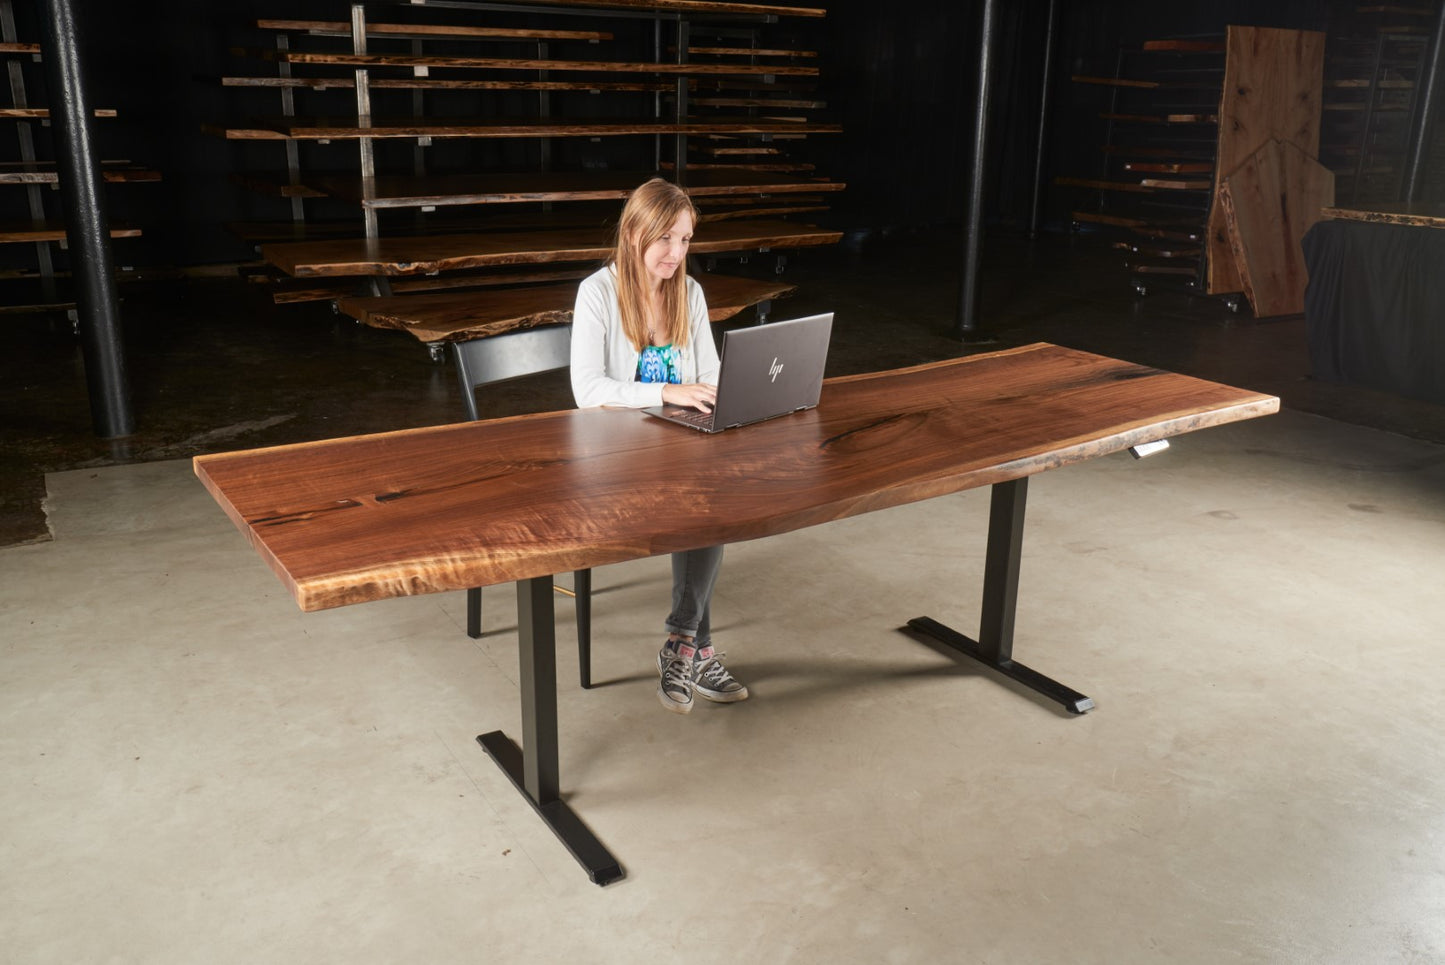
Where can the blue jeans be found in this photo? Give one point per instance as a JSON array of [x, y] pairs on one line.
[[693, 575]]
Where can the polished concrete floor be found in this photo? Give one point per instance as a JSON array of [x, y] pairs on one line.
[[198, 772]]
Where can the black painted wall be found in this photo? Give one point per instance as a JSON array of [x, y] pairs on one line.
[[900, 77], [904, 79]]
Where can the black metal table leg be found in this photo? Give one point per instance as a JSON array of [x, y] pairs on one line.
[[582, 588], [1000, 599], [533, 766]]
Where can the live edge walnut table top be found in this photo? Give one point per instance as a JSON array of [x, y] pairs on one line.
[[350, 520]]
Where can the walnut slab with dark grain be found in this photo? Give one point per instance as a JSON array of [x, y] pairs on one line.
[[451, 507]]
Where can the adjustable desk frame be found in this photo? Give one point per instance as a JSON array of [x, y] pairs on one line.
[[533, 767]]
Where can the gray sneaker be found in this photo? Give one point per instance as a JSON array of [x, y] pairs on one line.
[[712, 680], [675, 668]]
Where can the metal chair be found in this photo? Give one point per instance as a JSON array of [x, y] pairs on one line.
[[484, 361]]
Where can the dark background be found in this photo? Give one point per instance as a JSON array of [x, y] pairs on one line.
[[899, 77]]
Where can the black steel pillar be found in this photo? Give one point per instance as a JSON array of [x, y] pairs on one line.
[[86, 226], [967, 325], [679, 149], [1426, 107], [1044, 95]]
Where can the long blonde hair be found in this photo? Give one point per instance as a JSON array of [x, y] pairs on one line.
[[650, 213]]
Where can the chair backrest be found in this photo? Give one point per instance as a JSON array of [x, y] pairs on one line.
[[482, 361]]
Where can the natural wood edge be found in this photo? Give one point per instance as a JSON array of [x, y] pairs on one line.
[[431, 83], [523, 63], [337, 28], [1406, 218]]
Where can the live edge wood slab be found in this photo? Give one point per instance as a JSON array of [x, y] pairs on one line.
[[346, 521], [430, 254]]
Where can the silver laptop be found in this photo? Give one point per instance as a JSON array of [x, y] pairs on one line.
[[767, 371]]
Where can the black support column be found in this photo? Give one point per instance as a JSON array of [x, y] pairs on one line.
[[966, 327], [533, 767], [995, 644], [1045, 95], [1426, 108], [86, 225]]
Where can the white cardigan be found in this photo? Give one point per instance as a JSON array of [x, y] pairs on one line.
[[604, 363]]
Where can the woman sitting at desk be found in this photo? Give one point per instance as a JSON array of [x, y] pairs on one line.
[[641, 337]]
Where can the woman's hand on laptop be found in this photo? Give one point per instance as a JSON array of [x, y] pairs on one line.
[[693, 395]]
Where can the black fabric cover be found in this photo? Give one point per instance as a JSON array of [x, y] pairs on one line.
[[1375, 306]]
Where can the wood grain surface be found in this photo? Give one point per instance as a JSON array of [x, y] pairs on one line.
[[345, 521], [1269, 202], [43, 113], [433, 253], [45, 172], [1273, 87]]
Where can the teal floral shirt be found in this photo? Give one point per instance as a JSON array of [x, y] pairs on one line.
[[659, 363]]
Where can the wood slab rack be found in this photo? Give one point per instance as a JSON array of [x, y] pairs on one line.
[[34, 272], [548, 111], [1375, 59]]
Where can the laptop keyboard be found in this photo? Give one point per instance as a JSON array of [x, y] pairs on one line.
[[694, 417]]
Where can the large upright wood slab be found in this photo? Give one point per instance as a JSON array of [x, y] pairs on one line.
[[452, 507], [1269, 202], [1272, 89]]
